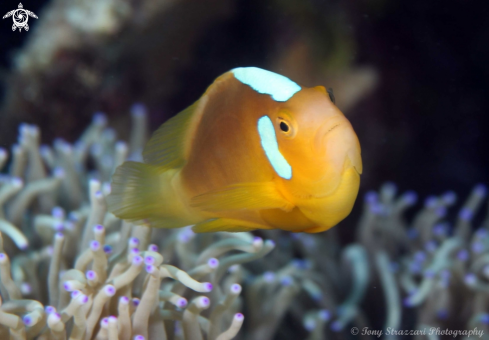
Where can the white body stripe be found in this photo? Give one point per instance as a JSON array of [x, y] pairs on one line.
[[262, 81], [269, 143]]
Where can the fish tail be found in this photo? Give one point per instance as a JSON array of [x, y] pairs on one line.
[[136, 191]]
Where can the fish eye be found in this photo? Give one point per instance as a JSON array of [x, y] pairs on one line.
[[331, 95], [284, 126]]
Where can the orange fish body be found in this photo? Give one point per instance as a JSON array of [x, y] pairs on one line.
[[256, 151]]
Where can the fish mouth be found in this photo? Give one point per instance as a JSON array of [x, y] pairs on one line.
[[354, 160], [338, 142], [339, 148]]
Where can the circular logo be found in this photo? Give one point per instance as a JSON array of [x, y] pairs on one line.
[[20, 17], [354, 330]]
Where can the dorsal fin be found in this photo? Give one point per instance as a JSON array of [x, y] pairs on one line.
[[167, 147]]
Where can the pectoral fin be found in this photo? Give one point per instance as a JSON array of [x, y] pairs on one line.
[[247, 196]]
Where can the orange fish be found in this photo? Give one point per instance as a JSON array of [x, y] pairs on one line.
[[256, 151]]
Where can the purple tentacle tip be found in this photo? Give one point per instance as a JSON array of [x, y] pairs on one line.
[[407, 302], [59, 227], [91, 275], [371, 197], [49, 309], [239, 316], [415, 267], [317, 296], [138, 109], [412, 233], [376, 208], [137, 260], [109, 290], [17, 182], [442, 314], [477, 247], [99, 118], [465, 214], [449, 198], [480, 190], [310, 324], [431, 246], [430, 202], [463, 255], [410, 197], [59, 172], [149, 260], [420, 256], [324, 314], [94, 245], [57, 212], [205, 301], [441, 211], [485, 318], [440, 229], [98, 228], [139, 337], [182, 302], [445, 274], [135, 302], [286, 281], [153, 247], [25, 288], [121, 146], [336, 326], [235, 288], [3, 256], [208, 286], [470, 279], [390, 186], [124, 300], [299, 263], [213, 263], [27, 319], [269, 276], [482, 233], [108, 249]]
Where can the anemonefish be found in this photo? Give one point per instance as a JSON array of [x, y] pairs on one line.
[[256, 151]]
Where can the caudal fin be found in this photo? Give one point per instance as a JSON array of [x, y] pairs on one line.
[[135, 191]]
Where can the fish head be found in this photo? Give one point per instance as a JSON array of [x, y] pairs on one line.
[[318, 141]]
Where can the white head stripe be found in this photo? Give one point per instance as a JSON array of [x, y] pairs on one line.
[[262, 81], [269, 143]]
